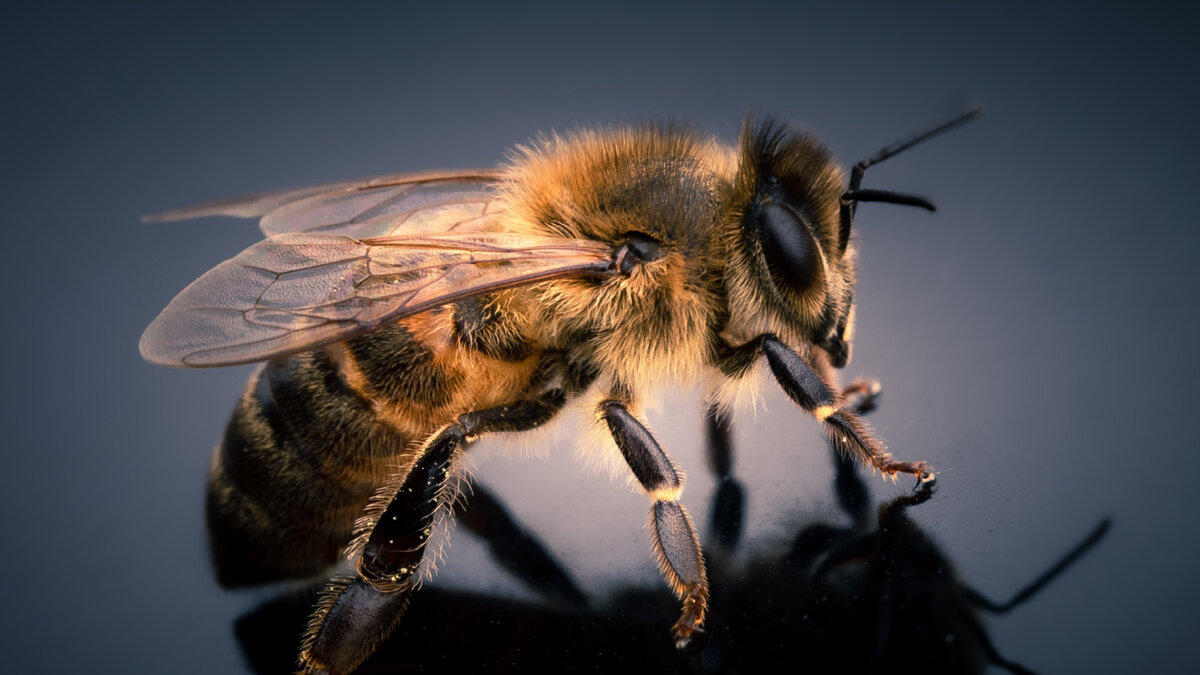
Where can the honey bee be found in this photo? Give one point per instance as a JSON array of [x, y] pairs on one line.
[[404, 316]]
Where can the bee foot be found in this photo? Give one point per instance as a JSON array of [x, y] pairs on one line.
[[687, 637], [688, 629], [862, 395], [926, 484]]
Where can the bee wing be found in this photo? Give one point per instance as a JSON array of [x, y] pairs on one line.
[[297, 291], [416, 202]]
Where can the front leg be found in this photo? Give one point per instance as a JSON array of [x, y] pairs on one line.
[[672, 534], [355, 615], [861, 396], [844, 427]]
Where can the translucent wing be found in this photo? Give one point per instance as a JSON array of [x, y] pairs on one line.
[[458, 201], [295, 292]]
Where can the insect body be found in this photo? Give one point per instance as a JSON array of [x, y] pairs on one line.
[[404, 316]]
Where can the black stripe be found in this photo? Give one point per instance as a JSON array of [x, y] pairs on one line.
[[261, 458], [332, 424], [400, 368]]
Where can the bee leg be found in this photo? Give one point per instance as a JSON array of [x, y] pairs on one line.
[[843, 425], [672, 534], [861, 396], [812, 544], [515, 548], [729, 498], [354, 616]]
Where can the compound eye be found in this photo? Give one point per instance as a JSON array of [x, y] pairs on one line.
[[792, 254]]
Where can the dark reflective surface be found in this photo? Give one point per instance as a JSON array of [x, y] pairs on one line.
[[1034, 337], [873, 594]]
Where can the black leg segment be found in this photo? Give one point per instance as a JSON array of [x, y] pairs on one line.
[[650, 465], [672, 534], [843, 425], [350, 621], [520, 416], [798, 379], [396, 544], [677, 552], [355, 615]]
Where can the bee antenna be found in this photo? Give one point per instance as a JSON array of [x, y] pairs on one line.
[[983, 602], [989, 649], [887, 197], [908, 141], [853, 195]]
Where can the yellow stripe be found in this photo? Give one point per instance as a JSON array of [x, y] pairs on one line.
[[667, 494], [824, 411]]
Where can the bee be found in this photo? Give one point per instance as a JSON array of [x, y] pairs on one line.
[[402, 317]]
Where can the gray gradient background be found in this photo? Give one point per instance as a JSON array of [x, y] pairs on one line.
[[1034, 337]]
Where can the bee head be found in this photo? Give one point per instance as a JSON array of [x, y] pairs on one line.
[[790, 256]]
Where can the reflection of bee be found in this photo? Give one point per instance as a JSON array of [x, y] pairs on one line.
[[875, 596], [402, 317]]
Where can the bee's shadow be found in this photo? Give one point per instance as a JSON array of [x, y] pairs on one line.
[[859, 599]]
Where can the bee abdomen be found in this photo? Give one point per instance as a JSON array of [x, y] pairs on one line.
[[316, 434], [301, 456], [395, 366]]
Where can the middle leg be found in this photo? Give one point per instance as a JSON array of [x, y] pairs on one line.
[[672, 534]]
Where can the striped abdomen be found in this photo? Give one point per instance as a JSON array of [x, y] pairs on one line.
[[315, 435]]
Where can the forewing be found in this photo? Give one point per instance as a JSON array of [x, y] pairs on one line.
[[424, 202], [295, 292]]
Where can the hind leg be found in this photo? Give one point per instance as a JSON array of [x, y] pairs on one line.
[[283, 493], [672, 534], [354, 615]]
